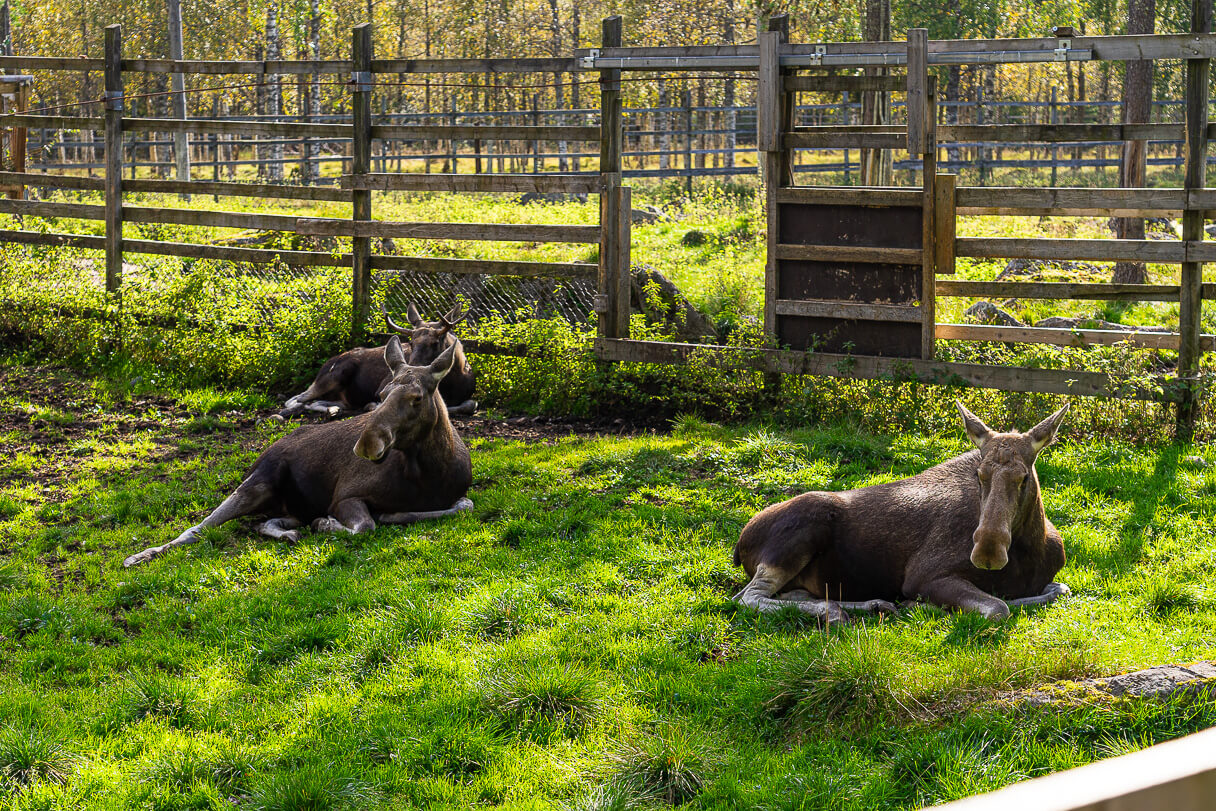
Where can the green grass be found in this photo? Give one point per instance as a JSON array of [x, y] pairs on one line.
[[570, 643]]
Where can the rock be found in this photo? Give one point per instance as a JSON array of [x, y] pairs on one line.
[[1060, 322], [646, 215], [661, 301], [985, 312], [527, 198], [693, 239], [1036, 268], [1210, 229], [1161, 682]]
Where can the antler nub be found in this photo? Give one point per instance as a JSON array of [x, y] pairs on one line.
[[454, 316], [405, 332]]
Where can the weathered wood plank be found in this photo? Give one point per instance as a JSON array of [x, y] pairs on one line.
[[1142, 250], [1063, 337], [850, 253], [286, 129], [918, 89], [55, 122], [484, 267], [361, 164], [850, 196], [51, 238], [298, 67], [211, 219], [850, 84], [520, 183], [1058, 133], [1058, 291], [608, 303], [225, 189], [928, 297], [409, 132], [768, 94], [830, 137], [113, 157], [76, 64], [1071, 201], [623, 274], [493, 232], [944, 224], [864, 367], [249, 255], [494, 65], [38, 179], [38, 208], [849, 310]]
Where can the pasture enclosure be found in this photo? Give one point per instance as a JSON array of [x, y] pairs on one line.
[[853, 274]]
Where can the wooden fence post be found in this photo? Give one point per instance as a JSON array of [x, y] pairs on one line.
[[361, 153], [613, 308], [113, 196], [768, 141], [1190, 301]]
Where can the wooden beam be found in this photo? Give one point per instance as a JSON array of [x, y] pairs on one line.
[[850, 196], [272, 129], [494, 232], [515, 183], [847, 310], [869, 367], [850, 84], [51, 238], [225, 189], [1058, 133], [944, 224], [52, 181], [113, 157], [211, 219], [833, 138], [608, 301], [1108, 250], [484, 267], [918, 89], [408, 132], [850, 253], [1063, 337], [38, 208], [1012, 200], [230, 254], [361, 163], [1058, 291]]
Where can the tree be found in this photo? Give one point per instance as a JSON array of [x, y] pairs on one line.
[[1137, 105]]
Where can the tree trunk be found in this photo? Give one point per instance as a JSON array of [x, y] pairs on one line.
[[1137, 105], [876, 166], [274, 95]]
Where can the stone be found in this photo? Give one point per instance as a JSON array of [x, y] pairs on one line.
[[1160, 682], [1061, 322], [693, 239], [646, 215], [985, 312], [657, 297]]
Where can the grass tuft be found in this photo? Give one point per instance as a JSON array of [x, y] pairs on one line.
[[666, 766], [311, 787], [546, 699], [151, 694], [32, 755]]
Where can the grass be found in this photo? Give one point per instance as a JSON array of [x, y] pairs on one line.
[[570, 643]]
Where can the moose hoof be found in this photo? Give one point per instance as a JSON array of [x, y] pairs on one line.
[[1056, 590], [327, 524], [465, 503], [276, 418], [332, 411], [879, 607], [142, 557]]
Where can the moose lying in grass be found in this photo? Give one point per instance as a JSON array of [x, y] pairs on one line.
[[970, 533], [351, 381], [402, 462]]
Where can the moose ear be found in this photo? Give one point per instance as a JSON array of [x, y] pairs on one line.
[[1042, 434], [393, 355], [977, 432], [411, 315], [440, 367]]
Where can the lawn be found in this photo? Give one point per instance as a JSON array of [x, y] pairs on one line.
[[569, 643]]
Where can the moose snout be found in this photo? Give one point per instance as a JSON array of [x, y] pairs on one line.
[[990, 549]]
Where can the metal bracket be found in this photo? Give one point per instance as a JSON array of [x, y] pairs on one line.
[[816, 58], [1063, 46], [361, 79], [588, 61], [112, 100]]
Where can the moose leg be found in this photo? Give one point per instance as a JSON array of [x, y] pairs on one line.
[[865, 606], [758, 594], [249, 497], [1051, 593], [350, 516], [464, 409], [409, 518], [330, 408], [963, 594], [283, 529]]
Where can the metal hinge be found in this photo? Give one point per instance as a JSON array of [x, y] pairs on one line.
[[361, 80], [816, 57], [588, 61], [112, 100], [1063, 46]]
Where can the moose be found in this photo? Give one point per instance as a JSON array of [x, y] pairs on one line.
[[969, 533], [351, 381], [400, 463]]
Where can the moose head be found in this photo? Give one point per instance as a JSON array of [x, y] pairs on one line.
[[409, 403], [1009, 487], [427, 339]]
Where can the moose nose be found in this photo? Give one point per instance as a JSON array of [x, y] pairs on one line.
[[990, 549]]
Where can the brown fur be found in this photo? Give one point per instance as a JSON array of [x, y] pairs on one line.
[[970, 533], [399, 463]]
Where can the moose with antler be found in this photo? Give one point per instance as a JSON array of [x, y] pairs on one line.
[[969, 533], [351, 381], [400, 463]]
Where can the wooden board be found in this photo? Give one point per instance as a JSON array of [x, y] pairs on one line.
[[1059, 290], [589, 183], [508, 232]]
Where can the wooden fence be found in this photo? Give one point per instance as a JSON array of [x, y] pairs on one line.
[[849, 294]]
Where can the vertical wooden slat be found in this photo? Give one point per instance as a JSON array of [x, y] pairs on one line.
[[181, 139], [944, 224], [768, 141], [918, 63], [624, 272], [361, 155], [612, 310], [18, 140], [1190, 302], [114, 102], [928, 296]]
